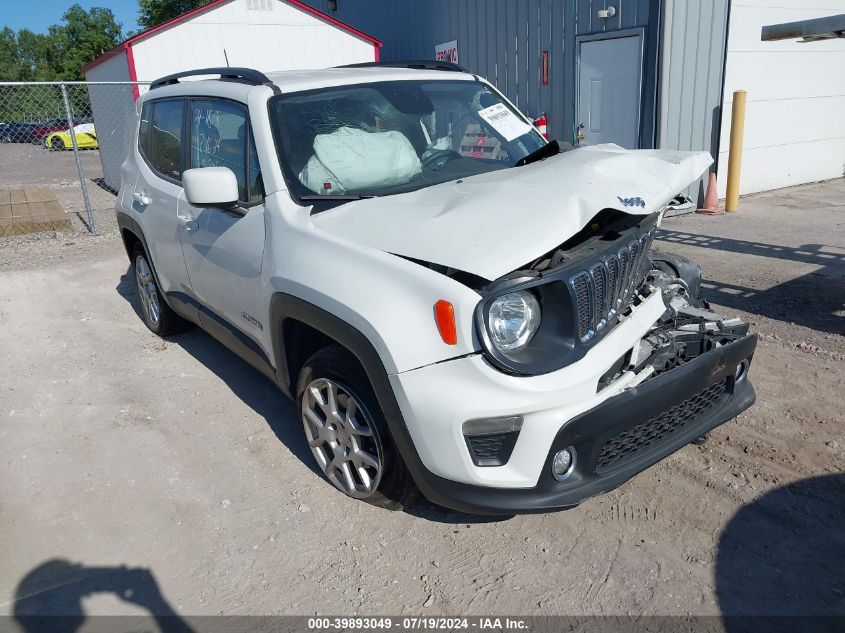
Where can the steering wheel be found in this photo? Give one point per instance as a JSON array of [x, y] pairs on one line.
[[437, 159]]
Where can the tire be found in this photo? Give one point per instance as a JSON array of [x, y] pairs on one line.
[[156, 314], [380, 478], [57, 144]]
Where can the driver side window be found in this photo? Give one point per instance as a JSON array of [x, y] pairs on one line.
[[221, 137]]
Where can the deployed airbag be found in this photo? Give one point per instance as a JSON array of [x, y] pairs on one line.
[[350, 159]]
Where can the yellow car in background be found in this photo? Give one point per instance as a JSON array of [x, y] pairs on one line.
[[86, 138]]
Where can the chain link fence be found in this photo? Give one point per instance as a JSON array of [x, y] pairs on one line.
[[61, 148]]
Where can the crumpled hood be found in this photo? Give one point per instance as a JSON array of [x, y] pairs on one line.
[[493, 223]]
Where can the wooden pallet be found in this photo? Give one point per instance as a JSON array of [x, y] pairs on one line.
[[31, 210]]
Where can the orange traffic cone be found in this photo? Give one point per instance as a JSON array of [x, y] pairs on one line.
[[711, 198]]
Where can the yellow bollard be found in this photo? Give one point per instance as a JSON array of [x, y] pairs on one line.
[[735, 155]]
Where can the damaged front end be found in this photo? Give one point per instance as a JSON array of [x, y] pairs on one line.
[[596, 280]]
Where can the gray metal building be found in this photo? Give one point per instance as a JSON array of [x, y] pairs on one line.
[[640, 73]]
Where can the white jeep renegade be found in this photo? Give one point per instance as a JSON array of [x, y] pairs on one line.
[[457, 306]]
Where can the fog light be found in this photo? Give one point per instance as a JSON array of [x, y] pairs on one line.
[[741, 371], [563, 463]]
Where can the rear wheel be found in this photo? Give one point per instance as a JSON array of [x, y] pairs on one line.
[[347, 434], [156, 314], [56, 143]]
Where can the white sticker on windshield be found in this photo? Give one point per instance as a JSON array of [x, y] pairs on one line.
[[504, 121]]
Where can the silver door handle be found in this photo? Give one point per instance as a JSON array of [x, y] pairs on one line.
[[188, 222], [141, 198]]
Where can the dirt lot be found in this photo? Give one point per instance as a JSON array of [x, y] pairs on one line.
[[174, 457], [27, 164]]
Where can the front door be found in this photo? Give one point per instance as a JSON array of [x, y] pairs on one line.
[[609, 82], [224, 252]]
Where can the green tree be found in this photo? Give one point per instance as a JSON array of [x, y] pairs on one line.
[[82, 37], [153, 12], [61, 53], [10, 62], [34, 54]]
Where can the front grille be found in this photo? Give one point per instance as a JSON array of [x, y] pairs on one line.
[[660, 428], [492, 449], [606, 288]]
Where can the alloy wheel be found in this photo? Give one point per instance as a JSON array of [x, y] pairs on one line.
[[147, 290], [342, 438]]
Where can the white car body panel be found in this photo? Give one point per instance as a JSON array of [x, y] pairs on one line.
[[523, 212], [435, 401], [353, 261], [388, 299]]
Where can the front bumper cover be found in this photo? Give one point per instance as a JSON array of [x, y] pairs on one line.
[[619, 438]]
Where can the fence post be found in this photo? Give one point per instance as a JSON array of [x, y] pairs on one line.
[[78, 162]]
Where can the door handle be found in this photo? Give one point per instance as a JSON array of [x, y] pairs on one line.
[[188, 222], [140, 198]]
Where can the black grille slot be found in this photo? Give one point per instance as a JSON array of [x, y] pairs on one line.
[[631, 279], [583, 304], [659, 429], [607, 288], [612, 281], [599, 274], [492, 449]]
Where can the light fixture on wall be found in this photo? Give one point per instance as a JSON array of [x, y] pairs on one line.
[[603, 14], [332, 5]]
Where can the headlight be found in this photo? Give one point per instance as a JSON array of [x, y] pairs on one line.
[[513, 319]]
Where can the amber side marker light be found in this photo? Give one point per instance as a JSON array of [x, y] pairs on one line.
[[444, 316]]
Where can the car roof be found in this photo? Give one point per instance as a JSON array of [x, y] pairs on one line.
[[298, 80]]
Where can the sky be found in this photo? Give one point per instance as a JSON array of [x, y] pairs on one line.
[[37, 15]]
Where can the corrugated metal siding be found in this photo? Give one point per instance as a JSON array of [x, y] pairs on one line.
[[503, 40], [691, 83]]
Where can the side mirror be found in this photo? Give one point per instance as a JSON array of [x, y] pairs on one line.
[[215, 187]]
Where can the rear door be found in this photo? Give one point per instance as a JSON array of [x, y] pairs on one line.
[[224, 251], [158, 188]]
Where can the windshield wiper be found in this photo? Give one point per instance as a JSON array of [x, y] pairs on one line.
[[336, 196], [549, 149]]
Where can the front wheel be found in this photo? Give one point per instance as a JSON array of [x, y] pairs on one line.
[[347, 433], [57, 144]]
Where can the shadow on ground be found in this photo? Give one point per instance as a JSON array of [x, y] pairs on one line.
[[263, 397], [815, 300], [49, 598], [784, 555]]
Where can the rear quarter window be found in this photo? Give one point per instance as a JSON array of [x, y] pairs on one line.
[[160, 136]]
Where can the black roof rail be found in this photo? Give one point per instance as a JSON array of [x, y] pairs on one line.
[[242, 75], [419, 64]]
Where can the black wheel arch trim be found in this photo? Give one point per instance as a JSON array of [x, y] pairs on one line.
[[286, 306], [128, 223]]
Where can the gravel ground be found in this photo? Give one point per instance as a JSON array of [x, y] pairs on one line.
[[27, 164], [132, 465]]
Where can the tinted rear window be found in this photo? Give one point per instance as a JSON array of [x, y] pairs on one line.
[[160, 136]]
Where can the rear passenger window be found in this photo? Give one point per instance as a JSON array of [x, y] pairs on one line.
[[160, 136], [220, 137]]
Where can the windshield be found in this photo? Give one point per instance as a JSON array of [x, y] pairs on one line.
[[391, 137]]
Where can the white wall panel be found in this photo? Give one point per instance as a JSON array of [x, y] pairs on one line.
[[112, 107], [795, 120], [767, 168], [278, 37], [114, 68]]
